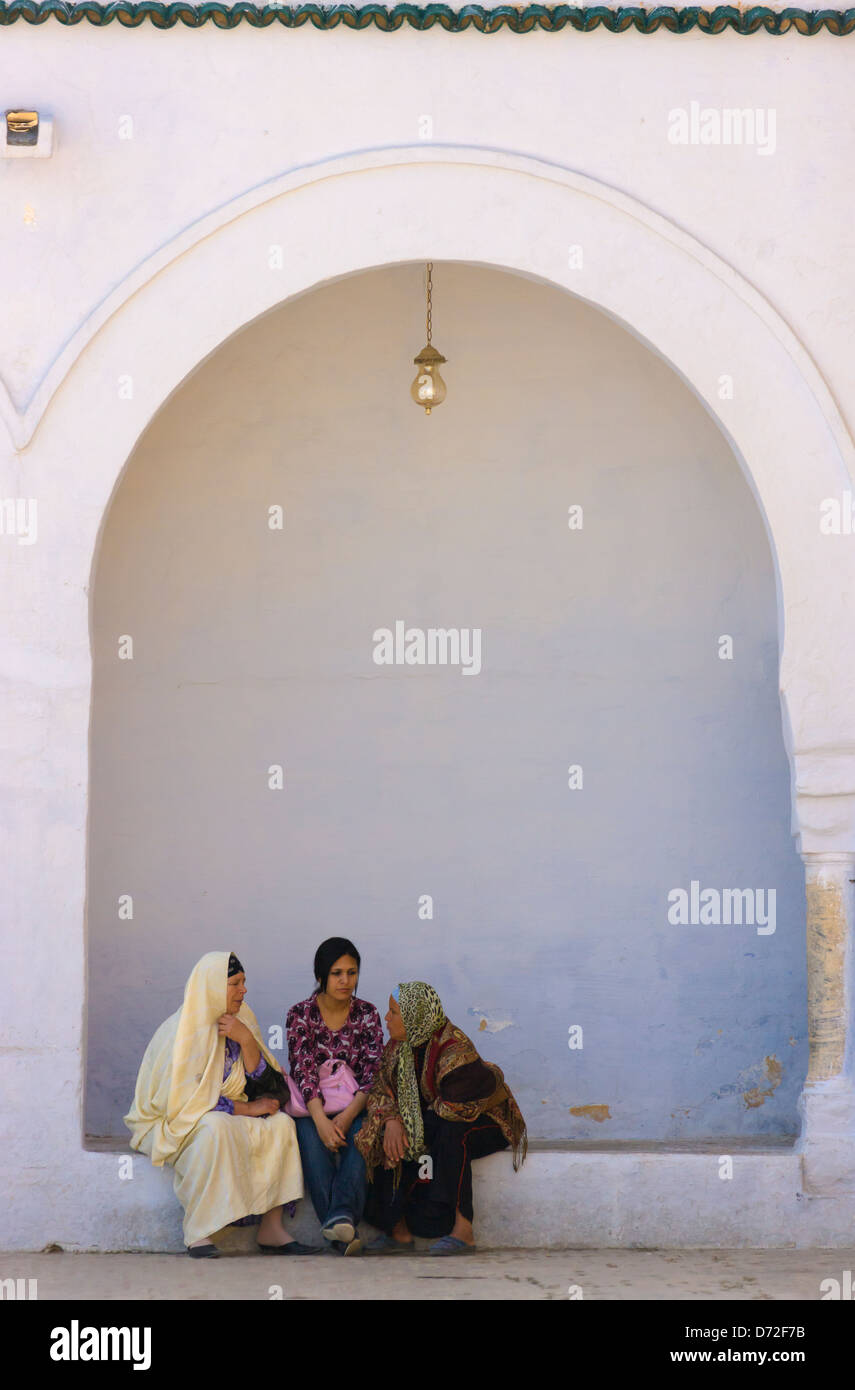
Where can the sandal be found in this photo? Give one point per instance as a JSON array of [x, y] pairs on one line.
[[344, 1247], [450, 1245], [386, 1245]]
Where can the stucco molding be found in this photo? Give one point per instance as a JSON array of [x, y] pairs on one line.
[[22, 422], [485, 20]]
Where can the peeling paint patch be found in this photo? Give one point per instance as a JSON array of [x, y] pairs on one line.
[[488, 1022], [758, 1094], [591, 1112]]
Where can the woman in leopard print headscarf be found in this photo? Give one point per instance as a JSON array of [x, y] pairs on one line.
[[434, 1107]]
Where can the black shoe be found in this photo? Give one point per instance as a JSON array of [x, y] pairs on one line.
[[295, 1247], [203, 1252]]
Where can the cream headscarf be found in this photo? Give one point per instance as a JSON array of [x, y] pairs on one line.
[[181, 1075]]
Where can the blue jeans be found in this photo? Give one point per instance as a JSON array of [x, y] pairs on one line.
[[336, 1181]]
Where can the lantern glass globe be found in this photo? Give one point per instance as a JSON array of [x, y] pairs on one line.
[[428, 388]]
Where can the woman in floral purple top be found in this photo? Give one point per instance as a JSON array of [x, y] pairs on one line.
[[332, 1024]]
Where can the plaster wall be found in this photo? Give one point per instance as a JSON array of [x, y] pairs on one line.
[[747, 273]]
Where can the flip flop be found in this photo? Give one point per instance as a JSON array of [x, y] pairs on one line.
[[450, 1245], [203, 1252], [341, 1247], [385, 1245]]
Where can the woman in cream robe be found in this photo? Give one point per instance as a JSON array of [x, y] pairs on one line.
[[230, 1161]]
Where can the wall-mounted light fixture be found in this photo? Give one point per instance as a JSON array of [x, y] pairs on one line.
[[28, 135]]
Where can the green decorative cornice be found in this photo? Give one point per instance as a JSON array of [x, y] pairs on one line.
[[519, 20]]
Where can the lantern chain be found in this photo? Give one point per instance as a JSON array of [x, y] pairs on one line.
[[429, 287]]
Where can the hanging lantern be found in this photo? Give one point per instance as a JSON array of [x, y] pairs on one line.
[[428, 389]]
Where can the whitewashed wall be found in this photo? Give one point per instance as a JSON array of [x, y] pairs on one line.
[[731, 263]]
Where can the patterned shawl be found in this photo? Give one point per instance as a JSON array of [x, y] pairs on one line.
[[422, 1013]]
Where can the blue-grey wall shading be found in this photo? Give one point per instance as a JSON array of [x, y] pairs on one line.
[[600, 649]]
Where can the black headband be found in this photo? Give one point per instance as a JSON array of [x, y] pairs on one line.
[[235, 967]]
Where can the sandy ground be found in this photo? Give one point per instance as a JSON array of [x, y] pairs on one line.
[[496, 1274]]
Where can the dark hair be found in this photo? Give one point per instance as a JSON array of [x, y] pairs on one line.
[[328, 953]]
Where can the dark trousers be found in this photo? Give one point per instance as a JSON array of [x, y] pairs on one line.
[[429, 1204]]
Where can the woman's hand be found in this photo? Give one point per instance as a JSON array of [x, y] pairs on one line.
[[394, 1143], [228, 1026], [344, 1119], [265, 1105], [330, 1134]]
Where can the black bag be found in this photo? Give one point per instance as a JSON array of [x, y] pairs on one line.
[[270, 1083]]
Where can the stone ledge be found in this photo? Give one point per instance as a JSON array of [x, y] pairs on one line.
[[582, 1199], [726, 1144]]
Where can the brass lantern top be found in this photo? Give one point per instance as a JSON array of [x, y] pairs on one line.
[[429, 357]]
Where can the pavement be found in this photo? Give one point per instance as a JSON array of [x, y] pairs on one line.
[[703, 1275]]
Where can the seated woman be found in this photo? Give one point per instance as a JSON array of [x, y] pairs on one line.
[[233, 1157], [434, 1107], [332, 1024]]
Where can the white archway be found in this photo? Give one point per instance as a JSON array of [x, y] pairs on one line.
[[491, 208], [495, 208]]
